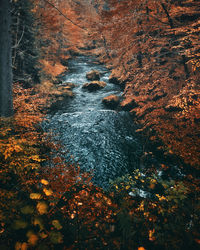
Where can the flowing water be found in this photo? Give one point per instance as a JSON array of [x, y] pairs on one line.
[[102, 141]]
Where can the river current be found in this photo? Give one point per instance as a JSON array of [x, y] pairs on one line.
[[102, 141]]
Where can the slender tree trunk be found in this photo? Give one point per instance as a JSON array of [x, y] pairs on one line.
[[168, 16], [6, 107], [187, 73]]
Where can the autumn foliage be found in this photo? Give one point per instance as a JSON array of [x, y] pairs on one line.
[[46, 201], [58, 35], [153, 48]]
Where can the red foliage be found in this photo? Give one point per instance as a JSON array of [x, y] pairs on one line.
[[153, 47], [57, 36]]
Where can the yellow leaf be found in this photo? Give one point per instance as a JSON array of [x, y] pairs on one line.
[[38, 221], [161, 198], [17, 148], [72, 216], [141, 207], [151, 232], [35, 196], [36, 158], [45, 182], [32, 238], [153, 181], [48, 192], [24, 246], [42, 207]]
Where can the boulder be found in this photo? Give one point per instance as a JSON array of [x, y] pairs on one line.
[[69, 84], [59, 91], [63, 88], [63, 92], [94, 85], [111, 101], [93, 75]]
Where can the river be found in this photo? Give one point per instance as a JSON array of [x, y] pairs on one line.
[[102, 141]]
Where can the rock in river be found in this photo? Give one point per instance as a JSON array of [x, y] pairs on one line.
[[94, 85], [93, 75], [69, 84], [111, 101]]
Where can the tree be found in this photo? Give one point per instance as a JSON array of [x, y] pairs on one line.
[[153, 48], [25, 53], [6, 108]]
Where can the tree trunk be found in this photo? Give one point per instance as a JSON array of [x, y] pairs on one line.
[[168, 16], [6, 107]]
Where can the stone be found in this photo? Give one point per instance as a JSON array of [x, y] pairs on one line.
[[93, 75], [62, 91], [69, 84], [63, 88], [111, 101], [94, 85]]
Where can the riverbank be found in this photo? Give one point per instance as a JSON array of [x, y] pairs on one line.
[[49, 201], [104, 142]]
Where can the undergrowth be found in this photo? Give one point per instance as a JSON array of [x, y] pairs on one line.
[[48, 203]]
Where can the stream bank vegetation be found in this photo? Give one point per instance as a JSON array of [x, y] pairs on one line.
[[46, 202]]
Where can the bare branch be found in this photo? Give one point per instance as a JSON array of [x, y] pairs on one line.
[[17, 44], [52, 5]]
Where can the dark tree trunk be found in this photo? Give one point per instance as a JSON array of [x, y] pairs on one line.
[[6, 107], [184, 61], [168, 16]]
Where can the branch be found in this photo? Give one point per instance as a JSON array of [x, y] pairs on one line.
[[157, 19], [52, 5], [168, 16], [17, 44]]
